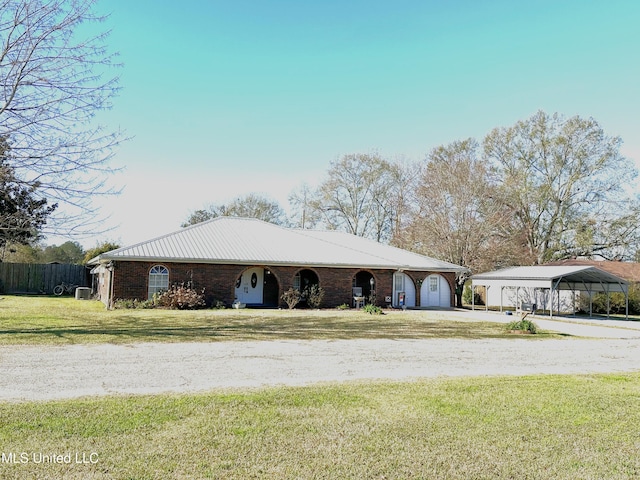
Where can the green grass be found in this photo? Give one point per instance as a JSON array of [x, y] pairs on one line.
[[59, 321], [542, 427]]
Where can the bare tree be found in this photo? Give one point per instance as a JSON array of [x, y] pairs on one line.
[[302, 203], [563, 181], [457, 217], [53, 81], [359, 196], [251, 206]]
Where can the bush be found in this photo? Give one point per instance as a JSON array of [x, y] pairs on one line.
[[523, 325], [127, 303], [218, 305], [314, 295], [291, 297], [467, 298], [182, 297], [372, 309], [344, 306], [616, 302]]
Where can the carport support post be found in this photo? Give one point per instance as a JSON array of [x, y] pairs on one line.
[[473, 297], [486, 301], [626, 302]]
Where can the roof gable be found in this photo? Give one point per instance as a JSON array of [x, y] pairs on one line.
[[252, 241]]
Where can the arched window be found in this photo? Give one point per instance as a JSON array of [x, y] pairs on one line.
[[158, 280]]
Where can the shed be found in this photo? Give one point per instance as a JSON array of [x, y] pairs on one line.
[[542, 285]]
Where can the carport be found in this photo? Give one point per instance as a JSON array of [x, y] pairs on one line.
[[552, 279]]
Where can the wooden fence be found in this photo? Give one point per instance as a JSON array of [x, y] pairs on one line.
[[40, 278]]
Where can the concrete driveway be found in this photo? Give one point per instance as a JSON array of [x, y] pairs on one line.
[[576, 326]]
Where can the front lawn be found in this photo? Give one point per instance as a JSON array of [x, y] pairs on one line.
[[58, 321], [541, 427]]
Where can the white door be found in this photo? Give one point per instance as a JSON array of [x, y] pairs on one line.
[[250, 287], [402, 283], [435, 292]]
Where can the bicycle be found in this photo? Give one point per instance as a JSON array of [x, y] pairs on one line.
[[64, 287]]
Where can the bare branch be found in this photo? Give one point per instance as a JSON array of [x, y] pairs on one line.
[[53, 82]]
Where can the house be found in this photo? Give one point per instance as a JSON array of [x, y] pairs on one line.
[[554, 288], [252, 262]]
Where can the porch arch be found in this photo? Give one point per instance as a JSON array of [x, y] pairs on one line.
[[403, 285], [435, 292], [257, 286]]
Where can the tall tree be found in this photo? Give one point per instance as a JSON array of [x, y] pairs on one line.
[[303, 211], [103, 247], [251, 205], [68, 252], [54, 78], [563, 182], [18, 253], [23, 212], [456, 217], [360, 196]]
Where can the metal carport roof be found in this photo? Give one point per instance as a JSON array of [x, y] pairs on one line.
[[574, 278]]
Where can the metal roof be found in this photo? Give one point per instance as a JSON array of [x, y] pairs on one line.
[[252, 241], [558, 277], [630, 271]]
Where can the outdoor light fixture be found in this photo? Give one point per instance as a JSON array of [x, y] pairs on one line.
[[371, 281]]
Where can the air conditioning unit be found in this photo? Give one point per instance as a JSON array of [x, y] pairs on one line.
[[83, 293]]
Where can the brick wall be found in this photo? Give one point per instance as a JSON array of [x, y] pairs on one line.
[[130, 280]]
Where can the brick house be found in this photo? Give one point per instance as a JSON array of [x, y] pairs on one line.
[[252, 262]]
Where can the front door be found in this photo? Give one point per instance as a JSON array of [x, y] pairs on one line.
[[250, 286]]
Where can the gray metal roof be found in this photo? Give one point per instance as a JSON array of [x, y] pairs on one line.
[[559, 277], [252, 241]]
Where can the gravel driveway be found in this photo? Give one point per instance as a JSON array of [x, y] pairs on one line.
[[43, 373]]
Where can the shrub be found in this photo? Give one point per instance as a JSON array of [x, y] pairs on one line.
[[372, 309], [314, 295], [218, 305], [616, 302], [523, 325], [467, 296], [127, 303], [291, 297], [344, 306], [182, 297]]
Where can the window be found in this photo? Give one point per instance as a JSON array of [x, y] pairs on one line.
[[433, 284], [399, 282], [158, 279], [296, 282]]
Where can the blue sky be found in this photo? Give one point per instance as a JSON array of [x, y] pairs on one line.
[[224, 98]]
